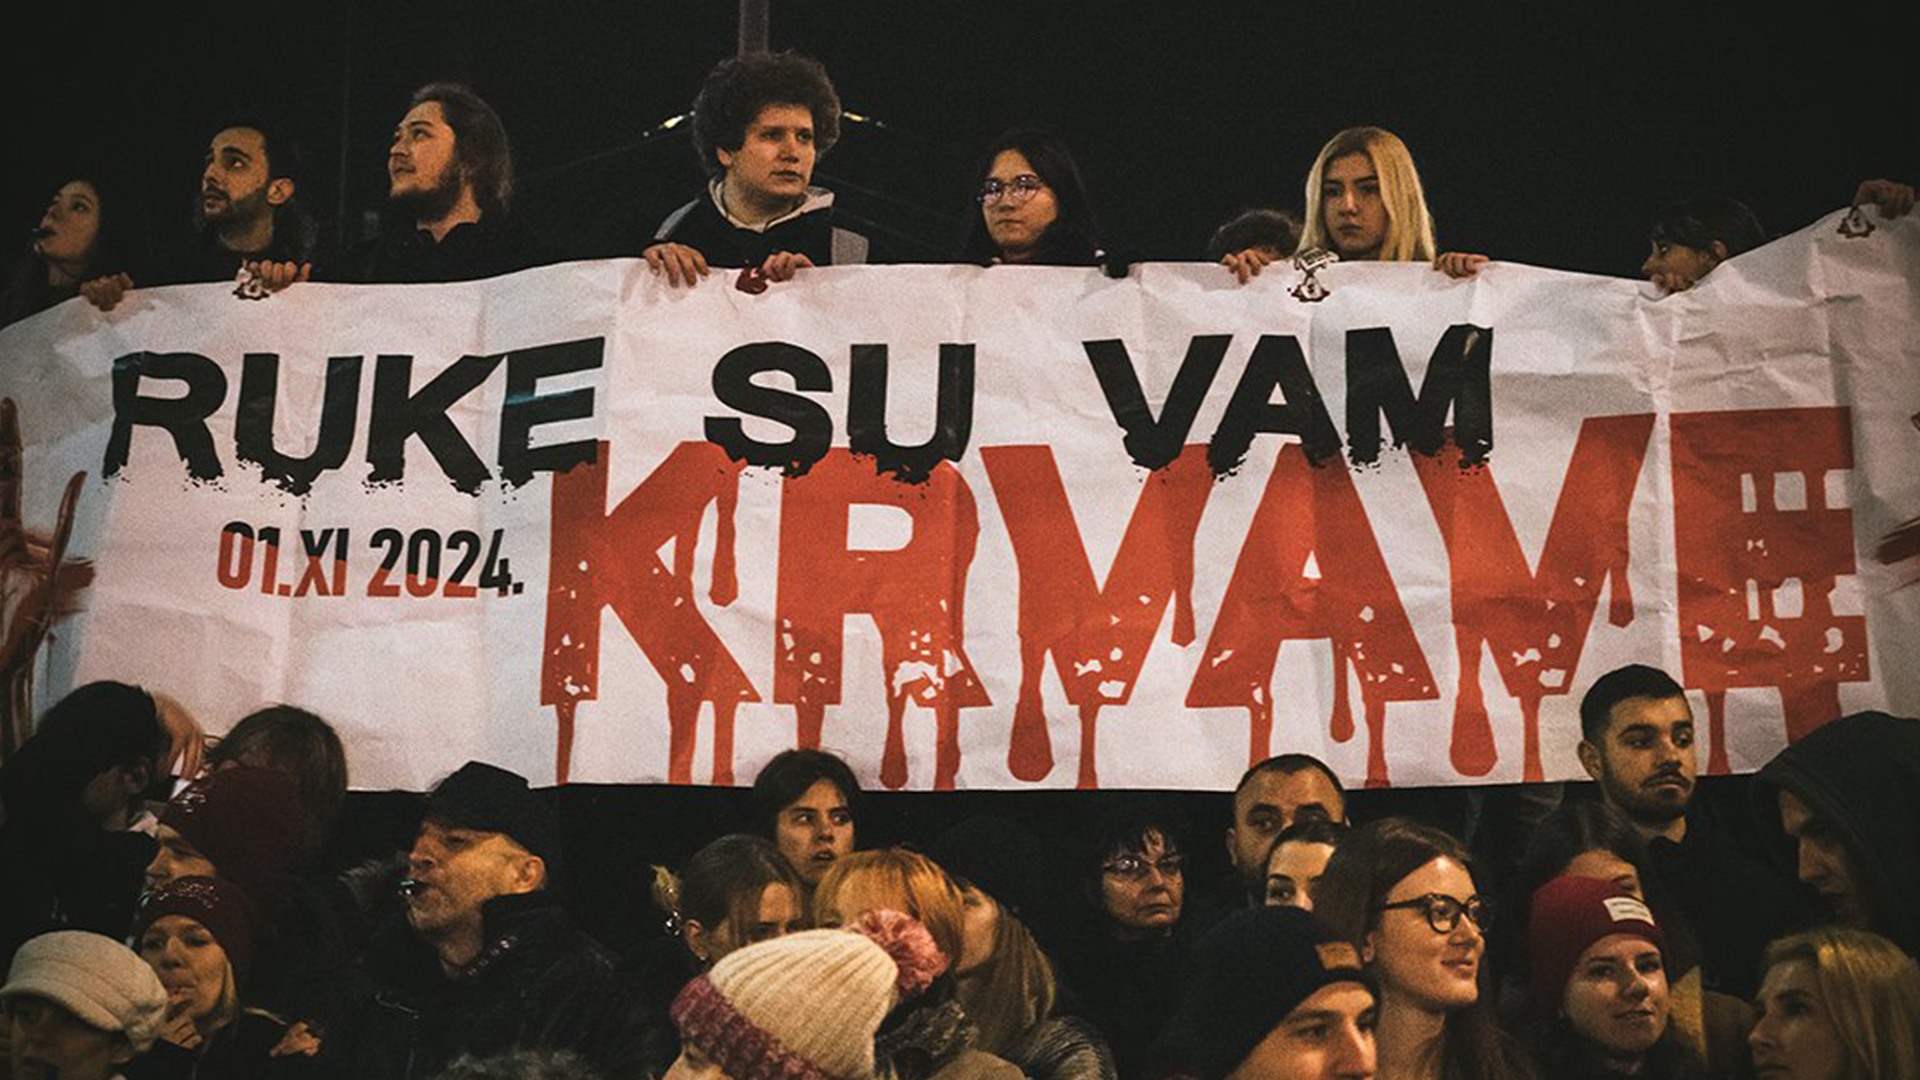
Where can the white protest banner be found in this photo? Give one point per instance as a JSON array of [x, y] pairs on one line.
[[983, 528]]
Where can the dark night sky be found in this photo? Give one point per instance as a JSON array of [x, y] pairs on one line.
[[1541, 137]]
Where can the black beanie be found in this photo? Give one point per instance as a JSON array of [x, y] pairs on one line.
[[487, 798], [1247, 974]]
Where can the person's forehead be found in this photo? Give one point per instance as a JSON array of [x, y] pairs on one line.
[[822, 794], [1355, 165], [1010, 163], [1287, 790], [1618, 947], [427, 112], [1341, 999], [1441, 875], [73, 189], [247, 140], [1300, 852], [784, 115], [438, 827], [1664, 712]]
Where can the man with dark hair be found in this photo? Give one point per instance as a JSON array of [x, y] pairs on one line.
[[760, 124], [807, 802], [1271, 796], [1638, 745], [487, 960], [1274, 233], [249, 214], [450, 185]]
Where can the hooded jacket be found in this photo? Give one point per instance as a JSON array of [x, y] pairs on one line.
[[1860, 775]]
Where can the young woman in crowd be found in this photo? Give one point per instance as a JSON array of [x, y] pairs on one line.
[[1692, 237], [804, 1006], [198, 934], [1004, 979], [1598, 996], [1033, 206], [932, 1036], [1365, 204], [1404, 895], [89, 230], [1837, 1004], [1297, 860], [808, 803]]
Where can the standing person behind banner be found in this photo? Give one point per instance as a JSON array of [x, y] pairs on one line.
[[1837, 1004], [760, 125], [1404, 895], [1597, 987], [1298, 860], [450, 189], [248, 213], [1274, 233], [1272, 796], [1034, 209], [1365, 204], [809, 804], [1690, 238], [90, 229]]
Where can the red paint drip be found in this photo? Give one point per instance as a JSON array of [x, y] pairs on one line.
[[1376, 743], [1809, 706], [1472, 752], [1030, 749], [1089, 764], [1718, 763], [1533, 772], [563, 746], [725, 587], [723, 742], [810, 717], [1259, 731], [1340, 724]]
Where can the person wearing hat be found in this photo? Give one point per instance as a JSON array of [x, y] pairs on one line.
[[805, 1006], [1597, 986], [241, 823], [487, 959], [78, 1006], [1274, 995]]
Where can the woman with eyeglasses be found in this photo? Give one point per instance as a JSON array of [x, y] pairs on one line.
[[1404, 895], [1033, 207]]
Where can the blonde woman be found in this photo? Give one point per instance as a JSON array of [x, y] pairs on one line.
[[1837, 1004], [1365, 203]]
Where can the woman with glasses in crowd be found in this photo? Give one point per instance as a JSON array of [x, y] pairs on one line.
[[1033, 206], [1404, 895]]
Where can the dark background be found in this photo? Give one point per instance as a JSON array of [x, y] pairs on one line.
[[1542, 137]]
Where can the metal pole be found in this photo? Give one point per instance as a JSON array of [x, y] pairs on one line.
[[753, 27]]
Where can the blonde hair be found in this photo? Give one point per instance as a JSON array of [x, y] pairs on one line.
[[1012, 991], [908, 880], [1871, 992], [1409, 227]]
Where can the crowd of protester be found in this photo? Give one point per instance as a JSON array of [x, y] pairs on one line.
[[760, 124], [172, 908]]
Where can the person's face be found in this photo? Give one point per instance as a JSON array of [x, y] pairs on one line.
[[423, 164], [50, 1043], [1270, 802], [1434, 969], [1020, 214], [1677, 267], [1645, 762], [1823, 860], [191, 965], [72, 222], [1329, 1036], [814, 830], [980, 922], [177, 858], [1142, 891], [776, 915], [775, 161], [234, 185], [693, 1064], [1617, 995], [1355, 215], [1293, 871], [1795, 1038], [457, 870], [1600, 864]]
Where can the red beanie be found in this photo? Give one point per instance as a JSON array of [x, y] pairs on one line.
[[1571, 913], [246, 821]]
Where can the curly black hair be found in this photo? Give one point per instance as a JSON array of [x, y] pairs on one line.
[[738, 89]]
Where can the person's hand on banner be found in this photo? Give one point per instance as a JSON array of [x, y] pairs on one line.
[[682, 265], [1892, 197], [105, 292], [275, 276], [1246, 265], [781, 265], [1459, 264]]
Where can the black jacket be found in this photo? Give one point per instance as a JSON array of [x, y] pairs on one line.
[[539, 983], [1860, 775], [295, 240], [810, 231], [470, 251], [1699, 874]]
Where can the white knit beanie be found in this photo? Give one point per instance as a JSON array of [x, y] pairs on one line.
[[95, 978], [806, 1006]]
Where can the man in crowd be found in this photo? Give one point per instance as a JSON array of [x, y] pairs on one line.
[[249, 213], [1847, 798], [760, 124], [488, 960], [807, 803], [78, 1006], [450, 186], [1638, 744], [1272, 795]]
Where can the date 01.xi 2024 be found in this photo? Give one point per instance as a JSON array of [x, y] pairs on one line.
[[422, 563]]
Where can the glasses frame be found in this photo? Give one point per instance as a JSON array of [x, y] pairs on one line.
[[1021, 189], [1434, 905], [1170, 866]]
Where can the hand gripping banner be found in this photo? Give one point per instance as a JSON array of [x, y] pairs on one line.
[[981, 528]]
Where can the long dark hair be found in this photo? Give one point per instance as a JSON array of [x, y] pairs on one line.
[[723, 883], [1697, 223], [1073, 239], [1350, 898], [119, 247]]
